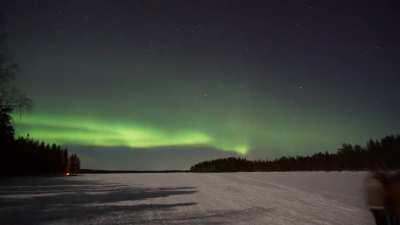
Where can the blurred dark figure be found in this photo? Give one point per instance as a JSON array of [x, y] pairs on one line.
[[383, 193]]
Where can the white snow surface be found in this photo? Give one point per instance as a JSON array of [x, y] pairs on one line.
[[187, 199]]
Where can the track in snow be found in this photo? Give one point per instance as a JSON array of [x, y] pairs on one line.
[[187, 199]]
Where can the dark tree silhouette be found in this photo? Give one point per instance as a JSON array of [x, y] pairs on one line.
[[6, 128], [11, 99], [25, 156], [376, 155], [75, 164]]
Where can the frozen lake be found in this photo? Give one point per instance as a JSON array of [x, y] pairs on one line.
[[186, 199]]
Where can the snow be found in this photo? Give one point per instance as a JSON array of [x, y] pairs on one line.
[[186, 198]]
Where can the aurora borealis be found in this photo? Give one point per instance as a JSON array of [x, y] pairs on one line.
[[64, 130], [178, 79]]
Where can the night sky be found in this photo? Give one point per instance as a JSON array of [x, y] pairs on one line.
[[157, 84]]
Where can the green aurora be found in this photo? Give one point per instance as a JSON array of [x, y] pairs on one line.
[[71, 130], [245, 137], [242, 80]]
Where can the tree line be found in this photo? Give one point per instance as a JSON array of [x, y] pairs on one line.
[[375, 155], [26, 156], [23, 155]]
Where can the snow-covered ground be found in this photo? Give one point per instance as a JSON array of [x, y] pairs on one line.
[[186, 199]]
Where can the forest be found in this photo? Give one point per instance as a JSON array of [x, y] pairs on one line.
[[380, 154], [24, 155]]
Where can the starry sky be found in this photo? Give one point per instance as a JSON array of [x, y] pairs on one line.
[[155, 84]]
